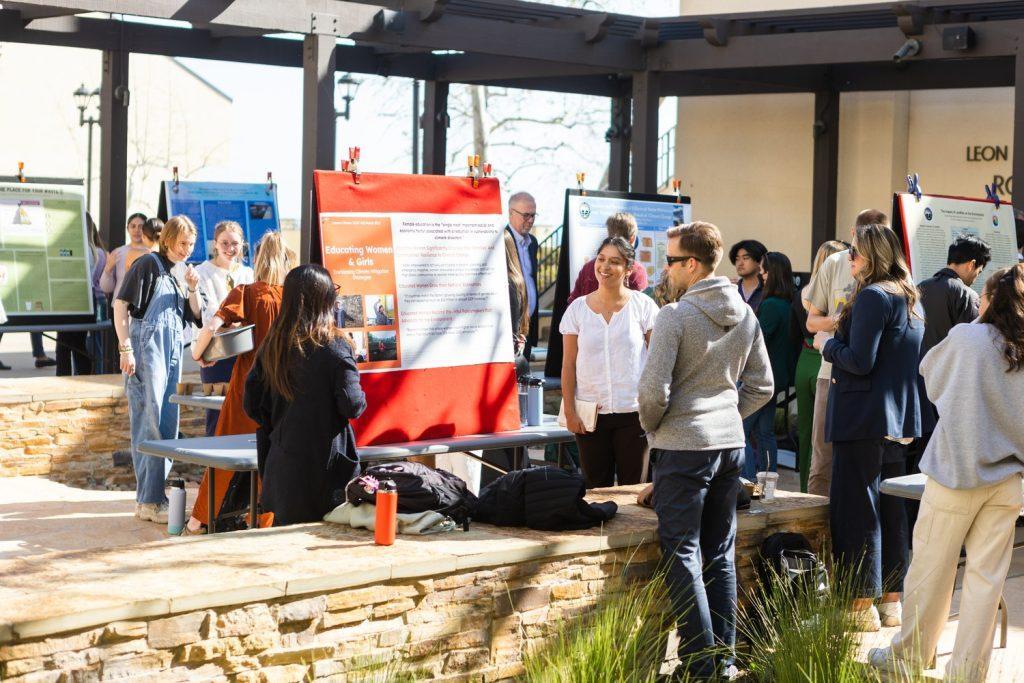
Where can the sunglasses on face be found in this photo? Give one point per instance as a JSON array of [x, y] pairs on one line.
[[679, 259]]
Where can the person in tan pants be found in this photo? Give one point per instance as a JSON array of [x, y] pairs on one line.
[[974, 463]]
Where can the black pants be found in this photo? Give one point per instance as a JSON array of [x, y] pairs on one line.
[[869, 530], [72, 354], [614, 450]]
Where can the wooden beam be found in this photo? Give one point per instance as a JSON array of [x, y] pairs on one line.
[[618, 136], [644, 136], [434, 123], [318, 131], [825, 183], [114, 101], [995, 39]]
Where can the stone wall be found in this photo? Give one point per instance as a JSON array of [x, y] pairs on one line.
[[68, 428], [474, 625]]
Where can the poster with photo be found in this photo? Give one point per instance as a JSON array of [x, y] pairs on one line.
[[423, 299], [929, 225], [44, 251], [584, 229], [251, 205]]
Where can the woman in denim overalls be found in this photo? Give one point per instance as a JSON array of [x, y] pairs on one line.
[[150, 351]]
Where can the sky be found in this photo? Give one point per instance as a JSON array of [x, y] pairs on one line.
[[267, 130]]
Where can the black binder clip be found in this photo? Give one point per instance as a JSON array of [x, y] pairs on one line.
[[177, 182], [914, 185], [270, 182], [990, 194]]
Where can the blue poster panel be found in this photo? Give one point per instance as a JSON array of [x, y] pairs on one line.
[[251, 205]]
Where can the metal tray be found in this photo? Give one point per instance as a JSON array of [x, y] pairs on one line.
[[231, 342]]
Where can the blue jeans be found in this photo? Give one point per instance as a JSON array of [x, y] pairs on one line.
[[869, 530], [760, 425], [695, 500]]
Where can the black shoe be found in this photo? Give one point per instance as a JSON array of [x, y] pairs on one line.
[[45, 362], [4, 366]]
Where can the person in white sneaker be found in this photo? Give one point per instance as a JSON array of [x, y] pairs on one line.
[[972, 497]]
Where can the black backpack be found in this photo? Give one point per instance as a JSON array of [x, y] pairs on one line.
[[789, 557], [543, 498], [420, 488]]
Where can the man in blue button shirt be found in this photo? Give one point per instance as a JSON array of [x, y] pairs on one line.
[[522, 212]]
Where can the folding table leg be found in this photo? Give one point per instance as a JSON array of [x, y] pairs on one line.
[[211, 514], [253, 484]]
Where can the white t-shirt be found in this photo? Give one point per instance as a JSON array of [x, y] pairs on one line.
[[610, 356], [829, 291], [213, 280]]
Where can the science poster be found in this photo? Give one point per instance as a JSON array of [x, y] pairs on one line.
[[423, 300], [251, 205], [584, 229], [930, 224], [44, 251]]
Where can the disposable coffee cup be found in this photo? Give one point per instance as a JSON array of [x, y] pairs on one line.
[[768, 481]]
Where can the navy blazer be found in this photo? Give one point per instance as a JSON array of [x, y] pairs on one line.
[[874, 391]]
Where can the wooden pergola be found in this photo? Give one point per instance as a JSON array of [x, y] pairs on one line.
[[631, 60]]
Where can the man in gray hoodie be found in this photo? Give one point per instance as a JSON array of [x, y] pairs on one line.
[[707, 369]]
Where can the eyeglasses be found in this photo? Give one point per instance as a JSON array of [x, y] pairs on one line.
[[526, 216], [679, 259]]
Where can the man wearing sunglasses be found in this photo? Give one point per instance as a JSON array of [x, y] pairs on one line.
[[707, 369], [522, 212]]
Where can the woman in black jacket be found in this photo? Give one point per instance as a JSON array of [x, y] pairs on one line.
[[874, 411], [302, 391]]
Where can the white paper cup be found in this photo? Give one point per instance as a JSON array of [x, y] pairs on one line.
[[768, 481]]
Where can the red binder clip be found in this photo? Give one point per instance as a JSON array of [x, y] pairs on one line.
[[676, 187]]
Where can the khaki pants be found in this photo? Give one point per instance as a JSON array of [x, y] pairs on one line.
[[820, 478], [983, 520]]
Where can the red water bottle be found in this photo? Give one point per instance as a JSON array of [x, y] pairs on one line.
[[387, 513]]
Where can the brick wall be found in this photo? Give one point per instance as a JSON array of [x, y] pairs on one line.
[[68, 429], [474, 625]]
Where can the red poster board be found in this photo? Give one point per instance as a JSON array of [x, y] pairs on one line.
[[410, 404]]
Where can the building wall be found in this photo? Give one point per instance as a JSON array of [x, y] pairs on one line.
[[175, 119], [747, 160]]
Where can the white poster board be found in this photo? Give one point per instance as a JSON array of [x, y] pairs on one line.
[[585, 224], [930, 224]]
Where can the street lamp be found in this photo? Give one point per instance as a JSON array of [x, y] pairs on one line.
[[351, 85], [83, 100]]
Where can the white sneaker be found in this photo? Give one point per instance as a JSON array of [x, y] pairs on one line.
[[866, 620], [882, 659], [152, 512], [891, 613]]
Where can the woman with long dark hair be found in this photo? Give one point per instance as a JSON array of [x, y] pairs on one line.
[[773, 316], [302, 391], [972, 497], [874, 411]]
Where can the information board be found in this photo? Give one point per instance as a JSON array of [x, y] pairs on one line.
[[423, 299], [251, 205], [45, 250], [584, 229], [930, 224]]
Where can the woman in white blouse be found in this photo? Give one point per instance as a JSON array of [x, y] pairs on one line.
[[605, 336], [217, 277]]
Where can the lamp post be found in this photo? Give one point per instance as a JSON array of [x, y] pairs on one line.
[[83, 100], [351, 85]]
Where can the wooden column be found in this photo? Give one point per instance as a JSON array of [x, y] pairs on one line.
[[318, 130], [434, 123], [618, 136], [114, 101], [644, 134], [826, 167]]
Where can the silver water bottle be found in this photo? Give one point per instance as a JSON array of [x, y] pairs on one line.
[[176, 506]]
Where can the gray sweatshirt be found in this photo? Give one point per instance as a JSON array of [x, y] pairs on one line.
[[979, 439], [701, 348]]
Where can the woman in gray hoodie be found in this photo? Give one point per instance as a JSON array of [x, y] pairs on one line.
[[974, 462]]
